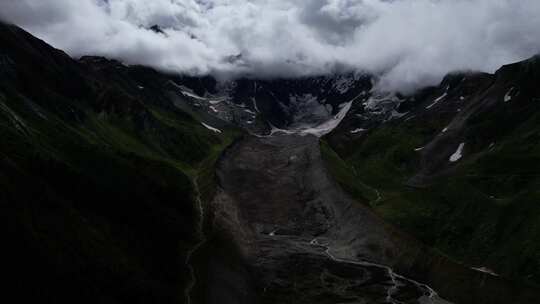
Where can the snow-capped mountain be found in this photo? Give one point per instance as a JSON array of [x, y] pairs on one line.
[[311, 105]]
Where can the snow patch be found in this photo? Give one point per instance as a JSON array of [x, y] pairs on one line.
[[443, 96], [186, 91], [508, 95], [211, 128], [458, 154], [217, 100], [192, 95], [213, 109], [381, 102], [355, 131], [255, 105], [419, 149], [330, 125], [275, 130], [250, 112], [485, 270]]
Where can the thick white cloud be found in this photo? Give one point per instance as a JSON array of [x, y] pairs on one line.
[[409, 43]]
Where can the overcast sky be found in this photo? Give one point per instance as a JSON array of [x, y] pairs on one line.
[[410, 43]]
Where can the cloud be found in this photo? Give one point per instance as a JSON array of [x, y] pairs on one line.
[[408, 43]]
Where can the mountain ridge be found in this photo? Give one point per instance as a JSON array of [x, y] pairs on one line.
[[97, 179], [467, 149], [105, 166]]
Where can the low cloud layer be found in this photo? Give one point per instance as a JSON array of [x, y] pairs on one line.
[[409, 43]]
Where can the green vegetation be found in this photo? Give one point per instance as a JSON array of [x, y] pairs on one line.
[[485, 212], [101, 207], [99, 179], [346, 177]]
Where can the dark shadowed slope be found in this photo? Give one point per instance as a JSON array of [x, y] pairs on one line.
[[96, 178]]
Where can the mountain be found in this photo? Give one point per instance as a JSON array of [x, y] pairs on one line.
[[263, 105], [101, 177], [457, 166], [122, 184]]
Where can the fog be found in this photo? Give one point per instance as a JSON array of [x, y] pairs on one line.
[[407, 43]]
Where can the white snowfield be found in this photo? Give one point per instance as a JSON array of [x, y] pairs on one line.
[[211, 128], [458, 154], [330, 125], [323, 128], [319, 130]]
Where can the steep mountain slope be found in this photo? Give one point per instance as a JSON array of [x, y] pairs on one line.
[[265, 106], [456, 166], [110, 193], [98, 178]]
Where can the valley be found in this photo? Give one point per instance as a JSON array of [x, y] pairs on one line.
[[123, 184], [294, 236], [303, 239]]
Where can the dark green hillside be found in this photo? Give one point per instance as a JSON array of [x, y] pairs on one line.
[[483, 209], [97, 178]]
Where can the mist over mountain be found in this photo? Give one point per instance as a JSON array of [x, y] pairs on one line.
[[407, 43], [257, 152]]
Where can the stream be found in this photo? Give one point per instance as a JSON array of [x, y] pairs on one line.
[[299, 238], [282, 231]]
